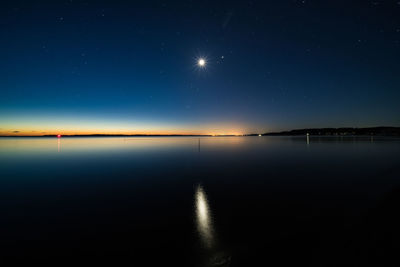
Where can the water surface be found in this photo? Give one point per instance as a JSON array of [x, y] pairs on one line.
[[209, 201]]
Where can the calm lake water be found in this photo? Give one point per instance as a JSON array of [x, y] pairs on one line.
[[210, 201]]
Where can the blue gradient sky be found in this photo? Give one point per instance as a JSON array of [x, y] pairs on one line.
[[124, 67]]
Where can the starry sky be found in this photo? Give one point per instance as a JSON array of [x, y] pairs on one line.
[[74, 67]]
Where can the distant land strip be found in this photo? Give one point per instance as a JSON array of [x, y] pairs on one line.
[[378, 131]]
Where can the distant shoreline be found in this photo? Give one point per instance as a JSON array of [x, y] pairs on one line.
[[344, 131]]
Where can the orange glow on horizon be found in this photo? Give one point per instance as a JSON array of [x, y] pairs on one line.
[[99, 132], [55, 128]]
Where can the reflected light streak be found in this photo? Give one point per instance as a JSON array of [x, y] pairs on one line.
[[203, 218]]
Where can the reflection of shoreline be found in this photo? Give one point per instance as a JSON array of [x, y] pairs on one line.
[[203, 218]]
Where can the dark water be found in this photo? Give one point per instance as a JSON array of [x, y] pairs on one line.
[[177, 201]]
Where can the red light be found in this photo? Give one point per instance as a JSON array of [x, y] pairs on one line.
[[58, 135]]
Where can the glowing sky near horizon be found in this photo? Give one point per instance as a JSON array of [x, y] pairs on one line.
[[82, 67]]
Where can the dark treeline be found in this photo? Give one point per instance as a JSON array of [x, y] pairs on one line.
[[381, 131]]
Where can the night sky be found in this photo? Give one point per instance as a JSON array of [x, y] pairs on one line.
[[131, 67]]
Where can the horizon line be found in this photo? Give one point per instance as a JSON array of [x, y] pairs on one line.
[[183, 135]]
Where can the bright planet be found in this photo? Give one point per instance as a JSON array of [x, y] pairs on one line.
[[202, 62]]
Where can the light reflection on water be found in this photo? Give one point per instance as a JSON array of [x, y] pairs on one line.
[[203, 218], [215, 254]]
